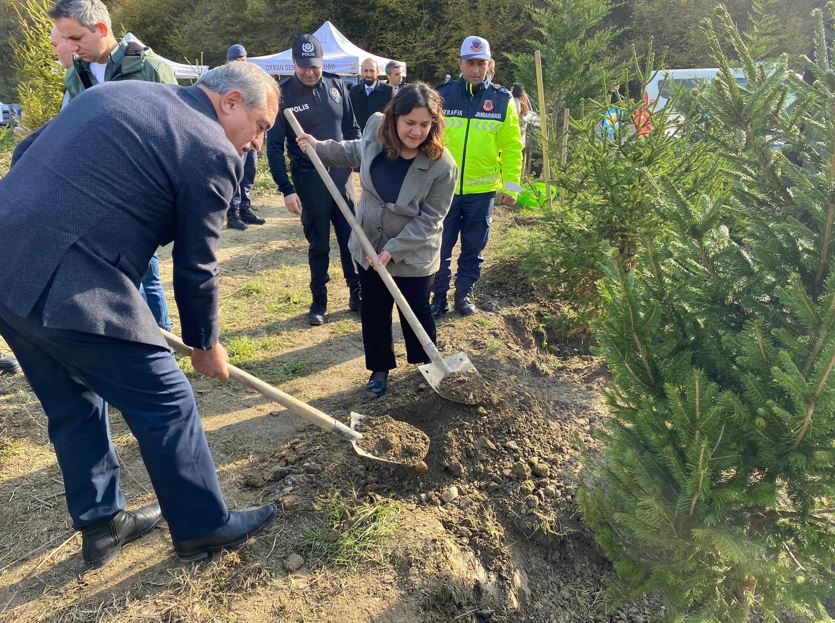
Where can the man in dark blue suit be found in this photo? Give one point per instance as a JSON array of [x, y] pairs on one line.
[[127, 167]]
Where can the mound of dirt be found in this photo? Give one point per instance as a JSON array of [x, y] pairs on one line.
[[467, 387], [392, 440], [500, 477]]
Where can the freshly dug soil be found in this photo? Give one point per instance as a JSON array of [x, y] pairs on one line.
[[467, 387], [390, 439]]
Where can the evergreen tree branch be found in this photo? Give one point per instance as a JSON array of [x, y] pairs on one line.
[[810, 409], [823, 261], [823, 335]]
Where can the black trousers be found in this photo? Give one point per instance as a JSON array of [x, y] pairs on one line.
[[319, 210], [377, 303], [243, 193]]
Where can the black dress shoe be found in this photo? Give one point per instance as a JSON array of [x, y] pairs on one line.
[[439, 306], [241, 526], [249, 217], [355, 300], [9, 365], [378, 383], [464, 305], [103, 541], [316, 315], [233, 221]]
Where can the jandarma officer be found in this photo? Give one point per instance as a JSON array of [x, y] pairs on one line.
[[321, 104], [484, 138]]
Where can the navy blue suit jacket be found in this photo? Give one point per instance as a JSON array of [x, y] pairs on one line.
[[125, 168]]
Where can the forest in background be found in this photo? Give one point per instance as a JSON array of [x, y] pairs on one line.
[[424, 33]]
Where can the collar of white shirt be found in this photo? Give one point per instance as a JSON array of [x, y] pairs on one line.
[[369, 89]]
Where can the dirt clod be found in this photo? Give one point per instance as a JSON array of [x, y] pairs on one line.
[[390, 439], [293, 562], [467, 387]]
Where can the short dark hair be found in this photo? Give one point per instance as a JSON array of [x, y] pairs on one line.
[[409, 97]]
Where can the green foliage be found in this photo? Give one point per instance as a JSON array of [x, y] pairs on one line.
[[576, 62], [426, 35], [42, 86], [350, 531], [607, 198], [7, 144], [781, 27], [766, 37], [716, 483]]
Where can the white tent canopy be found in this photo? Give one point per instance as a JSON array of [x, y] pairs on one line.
[[182, 71], [341, 56]]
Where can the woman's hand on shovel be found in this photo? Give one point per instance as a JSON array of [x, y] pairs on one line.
[[304, 140], [381, 260], [212, 362]]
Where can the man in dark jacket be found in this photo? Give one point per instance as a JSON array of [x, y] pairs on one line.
[[370, 95], [320, 102], [240, 212], [167, 160]]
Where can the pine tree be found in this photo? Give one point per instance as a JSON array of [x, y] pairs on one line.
[[42, 86], [718, 475], [575, 50], [766, 37]]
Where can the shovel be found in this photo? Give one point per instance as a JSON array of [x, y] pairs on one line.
[[303, 410], [448, 377]]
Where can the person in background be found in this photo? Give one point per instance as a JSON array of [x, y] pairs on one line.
[[523, 109], [72, 313], [320, 102], [85, 26], [240, 212], [408, 178], [394, 74], [483, 137], [60, 48], [61, 51], [370, 95]]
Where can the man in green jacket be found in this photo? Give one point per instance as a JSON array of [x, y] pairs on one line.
[[85, 26]]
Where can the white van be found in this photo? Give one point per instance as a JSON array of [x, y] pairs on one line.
[[665, 82]]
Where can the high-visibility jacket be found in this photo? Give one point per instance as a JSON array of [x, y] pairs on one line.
[[482, 133]]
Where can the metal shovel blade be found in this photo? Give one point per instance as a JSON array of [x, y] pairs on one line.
[[356, 418], [441, 378]]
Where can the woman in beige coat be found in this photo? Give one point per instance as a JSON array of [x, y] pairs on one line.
[[408, 178]]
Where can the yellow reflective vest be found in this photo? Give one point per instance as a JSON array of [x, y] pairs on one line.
[[482, 133]]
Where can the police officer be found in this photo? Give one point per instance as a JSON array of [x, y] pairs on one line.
[[240, 211], [320, 102], [483, 136]]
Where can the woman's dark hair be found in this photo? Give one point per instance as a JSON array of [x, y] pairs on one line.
[[411, 96], [518, 91]]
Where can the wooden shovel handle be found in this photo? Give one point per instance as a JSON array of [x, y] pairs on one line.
[[429, 348], [303, 410]]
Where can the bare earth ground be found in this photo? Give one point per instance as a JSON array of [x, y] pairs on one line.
[[490, 532]]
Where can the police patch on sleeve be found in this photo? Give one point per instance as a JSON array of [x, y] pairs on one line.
[[488, 105], [336, 96]]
